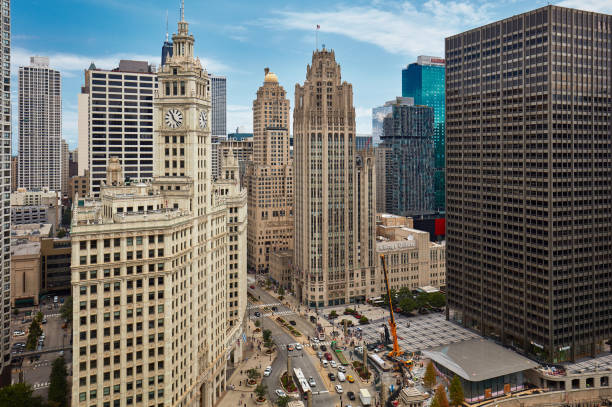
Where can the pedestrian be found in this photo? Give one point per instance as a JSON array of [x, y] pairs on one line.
[[251, 395]]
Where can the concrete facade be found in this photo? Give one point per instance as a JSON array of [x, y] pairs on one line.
[[269, 177], [25, 272], [281, 269], [158, 269], [334, 256]]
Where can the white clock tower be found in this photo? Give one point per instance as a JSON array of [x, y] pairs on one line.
[[205, 325]]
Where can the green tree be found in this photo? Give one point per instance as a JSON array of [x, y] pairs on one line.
[[407, 304], [422, 300], [261, 390], [267, 335], [429, 380], [456, 392], [33, 335], [283, 401], [66, 310], [58, 383], [333, 314], [257, 323], [281, 291], [61, 233], [253, 374], [440, 396], [39, 317], [434, 403], [363, 320], [437, 299], [19, 395]]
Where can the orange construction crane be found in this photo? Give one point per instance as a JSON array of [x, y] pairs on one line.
[[396, 352]]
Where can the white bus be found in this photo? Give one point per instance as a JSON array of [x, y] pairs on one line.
[[377, 360], [302, 383]]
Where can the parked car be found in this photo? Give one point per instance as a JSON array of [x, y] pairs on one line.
[[332, 377], [350, 394], [315, 346], [257, 314], [252, 287], [268, 371], [290, 347], [319, 354], [292, 322], [298, 346], [324, 363], [341, 369], [19, 333], [280, 393], [44, 320], [328, 356], [324, 348], [339, 388], [311, 382], [274, 308], [333, 364]]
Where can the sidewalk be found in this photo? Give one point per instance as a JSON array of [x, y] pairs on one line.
[[241, 394]]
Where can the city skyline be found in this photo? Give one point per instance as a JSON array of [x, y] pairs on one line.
[[241, 39]]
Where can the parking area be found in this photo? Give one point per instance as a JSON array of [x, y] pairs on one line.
[[55, 336]]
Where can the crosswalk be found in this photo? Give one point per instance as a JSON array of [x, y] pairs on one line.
[[57, 314], [264, 305], [305, 344], [42, 385], [273, 314]]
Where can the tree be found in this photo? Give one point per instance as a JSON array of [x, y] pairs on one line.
[[35, 332], [363, 320], [437, 300], [434, 403], [39, 317], [253, 374], [407, 304], [456, 392], [333, 314], [429, 380], [61, 233], [267, 335], [281, 291], [283, 401], [421, 300], [440, 396], [260, 391], [19, 395], [58, 384], [66, 310], [257, 323]]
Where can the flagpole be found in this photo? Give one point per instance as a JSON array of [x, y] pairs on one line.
[[317, 38]]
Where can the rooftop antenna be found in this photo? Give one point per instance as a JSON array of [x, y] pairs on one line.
[[182, 10], [166, 25]]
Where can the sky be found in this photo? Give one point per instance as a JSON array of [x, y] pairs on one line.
[[373, 41]]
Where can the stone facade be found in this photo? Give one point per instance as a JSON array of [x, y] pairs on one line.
[[335, 191], [269, 178], [158, 268]]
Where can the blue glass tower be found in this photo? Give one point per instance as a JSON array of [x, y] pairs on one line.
[[424, 81]]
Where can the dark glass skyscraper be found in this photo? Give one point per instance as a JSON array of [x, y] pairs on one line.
[[409, 161], [166, 51], [529, 181], [424, 81]]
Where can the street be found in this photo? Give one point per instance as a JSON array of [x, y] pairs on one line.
[[306, 359]]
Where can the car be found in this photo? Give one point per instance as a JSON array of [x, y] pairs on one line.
[[338, 388], [324, 363], [292, 322], [319, 354], [268, 371], [341, 369], [18, 333], [298, 346], [315, 346], [315, 339], [324, 348], [280, 393], [44, 320], [332, 377], [350, 394], [311, 382], [257, 314], [350, 378], [252, 287], [313, 319], [328, 356], [274, 308], [333, 364], [55, 299]]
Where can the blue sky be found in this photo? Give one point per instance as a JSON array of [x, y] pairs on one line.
[[373, 41]]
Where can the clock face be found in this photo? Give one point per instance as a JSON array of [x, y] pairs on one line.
[[203, 120], [174, 118]]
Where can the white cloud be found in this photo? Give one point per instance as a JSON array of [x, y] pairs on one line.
[[239, 116], [72, 64], [600, 6], [399, 28]]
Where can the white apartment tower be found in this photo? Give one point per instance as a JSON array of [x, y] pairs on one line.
[[5, 183], [159, 268], [116, 120], [40, 126]]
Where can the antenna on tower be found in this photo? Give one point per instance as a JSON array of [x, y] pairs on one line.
[[166, 25], [182, 10]]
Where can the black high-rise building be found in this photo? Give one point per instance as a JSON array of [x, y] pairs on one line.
[[166, 51], [529, 181]]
